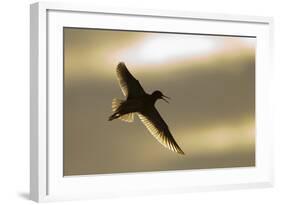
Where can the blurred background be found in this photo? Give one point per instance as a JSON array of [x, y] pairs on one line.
[[211, 80]]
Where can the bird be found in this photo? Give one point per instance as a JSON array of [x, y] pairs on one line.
[[143, 105]]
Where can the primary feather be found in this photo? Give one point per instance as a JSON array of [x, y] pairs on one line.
[[159, 129]]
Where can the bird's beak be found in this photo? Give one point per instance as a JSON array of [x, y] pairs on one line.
[[163, 98]]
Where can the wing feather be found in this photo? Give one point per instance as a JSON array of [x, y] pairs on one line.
[[129, 85], [159, 129]]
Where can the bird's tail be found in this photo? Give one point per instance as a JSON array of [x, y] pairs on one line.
[[116, 104]]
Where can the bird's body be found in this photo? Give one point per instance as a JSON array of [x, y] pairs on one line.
[[143, 104]]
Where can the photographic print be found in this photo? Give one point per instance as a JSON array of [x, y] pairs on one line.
[[142, 101]]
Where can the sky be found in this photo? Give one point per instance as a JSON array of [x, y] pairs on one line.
[[211, 114]]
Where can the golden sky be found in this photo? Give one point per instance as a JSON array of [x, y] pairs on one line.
[[211, 80]]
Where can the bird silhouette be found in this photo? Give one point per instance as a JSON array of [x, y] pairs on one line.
[[143, 104]]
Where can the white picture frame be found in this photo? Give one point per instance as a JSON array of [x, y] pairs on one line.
[[46, 179]]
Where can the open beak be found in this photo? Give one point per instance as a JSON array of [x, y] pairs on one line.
[[164, 98]]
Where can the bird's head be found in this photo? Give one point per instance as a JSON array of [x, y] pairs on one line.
[[159, 95]]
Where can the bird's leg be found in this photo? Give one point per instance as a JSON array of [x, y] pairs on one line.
[[114, 116]]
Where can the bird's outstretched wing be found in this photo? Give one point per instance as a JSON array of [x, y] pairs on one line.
[[159, 129], [129, 85]]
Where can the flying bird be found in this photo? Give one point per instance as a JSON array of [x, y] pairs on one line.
[[143, 104]]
